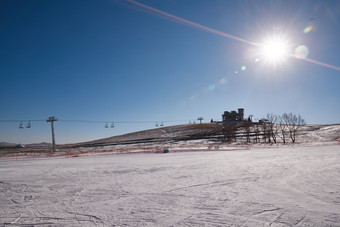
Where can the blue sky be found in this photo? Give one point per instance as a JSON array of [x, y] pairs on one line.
[[122, 62]]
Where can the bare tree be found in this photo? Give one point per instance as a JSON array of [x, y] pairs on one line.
[[246, 127], [286, 127], [294, 124], [265, 131], [290, 125], [283, 127], [272, 126], [256, 132], [229, 132]]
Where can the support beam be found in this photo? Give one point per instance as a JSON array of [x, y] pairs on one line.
[[52, 120]]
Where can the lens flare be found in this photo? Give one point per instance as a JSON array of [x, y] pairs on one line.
[[276, 54], [222, 81], [301, 52], [243, 68], [308, 29], [212, 87], [190, 23]]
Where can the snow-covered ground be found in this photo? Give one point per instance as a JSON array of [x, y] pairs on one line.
[[284, 186]]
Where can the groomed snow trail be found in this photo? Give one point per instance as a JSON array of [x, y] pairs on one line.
[[289, 186]]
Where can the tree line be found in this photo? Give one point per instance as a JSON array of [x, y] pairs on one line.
[[272, 129]]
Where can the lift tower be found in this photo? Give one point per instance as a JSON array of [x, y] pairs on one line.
[[52, 119]]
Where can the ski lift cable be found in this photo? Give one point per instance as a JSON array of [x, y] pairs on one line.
[[95, 121], [21, 120], [121, 122]]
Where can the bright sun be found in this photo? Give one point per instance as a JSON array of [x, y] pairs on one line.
[[274, 50]]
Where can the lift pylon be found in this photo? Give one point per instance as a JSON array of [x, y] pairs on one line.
[[52, 119]]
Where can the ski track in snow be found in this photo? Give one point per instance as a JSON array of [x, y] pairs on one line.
[[287, 186]]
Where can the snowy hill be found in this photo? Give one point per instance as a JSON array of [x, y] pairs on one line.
[[178, 132], [188, 137], [43, 144], [208, 131], [11, 145], [321, 133], [5, 144]]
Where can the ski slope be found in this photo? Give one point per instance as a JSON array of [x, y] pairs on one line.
[[285, 186]]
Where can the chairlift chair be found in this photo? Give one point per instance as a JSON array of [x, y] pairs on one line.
[[156, 124], [20, 126], [112, 125], [162, 124], [28, 124], [106, 125]]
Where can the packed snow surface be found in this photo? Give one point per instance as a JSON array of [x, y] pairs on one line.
[[286, 186]]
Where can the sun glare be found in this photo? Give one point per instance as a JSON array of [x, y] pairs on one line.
[[274, 50]]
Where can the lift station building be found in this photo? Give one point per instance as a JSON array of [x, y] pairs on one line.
[[233, 116]]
